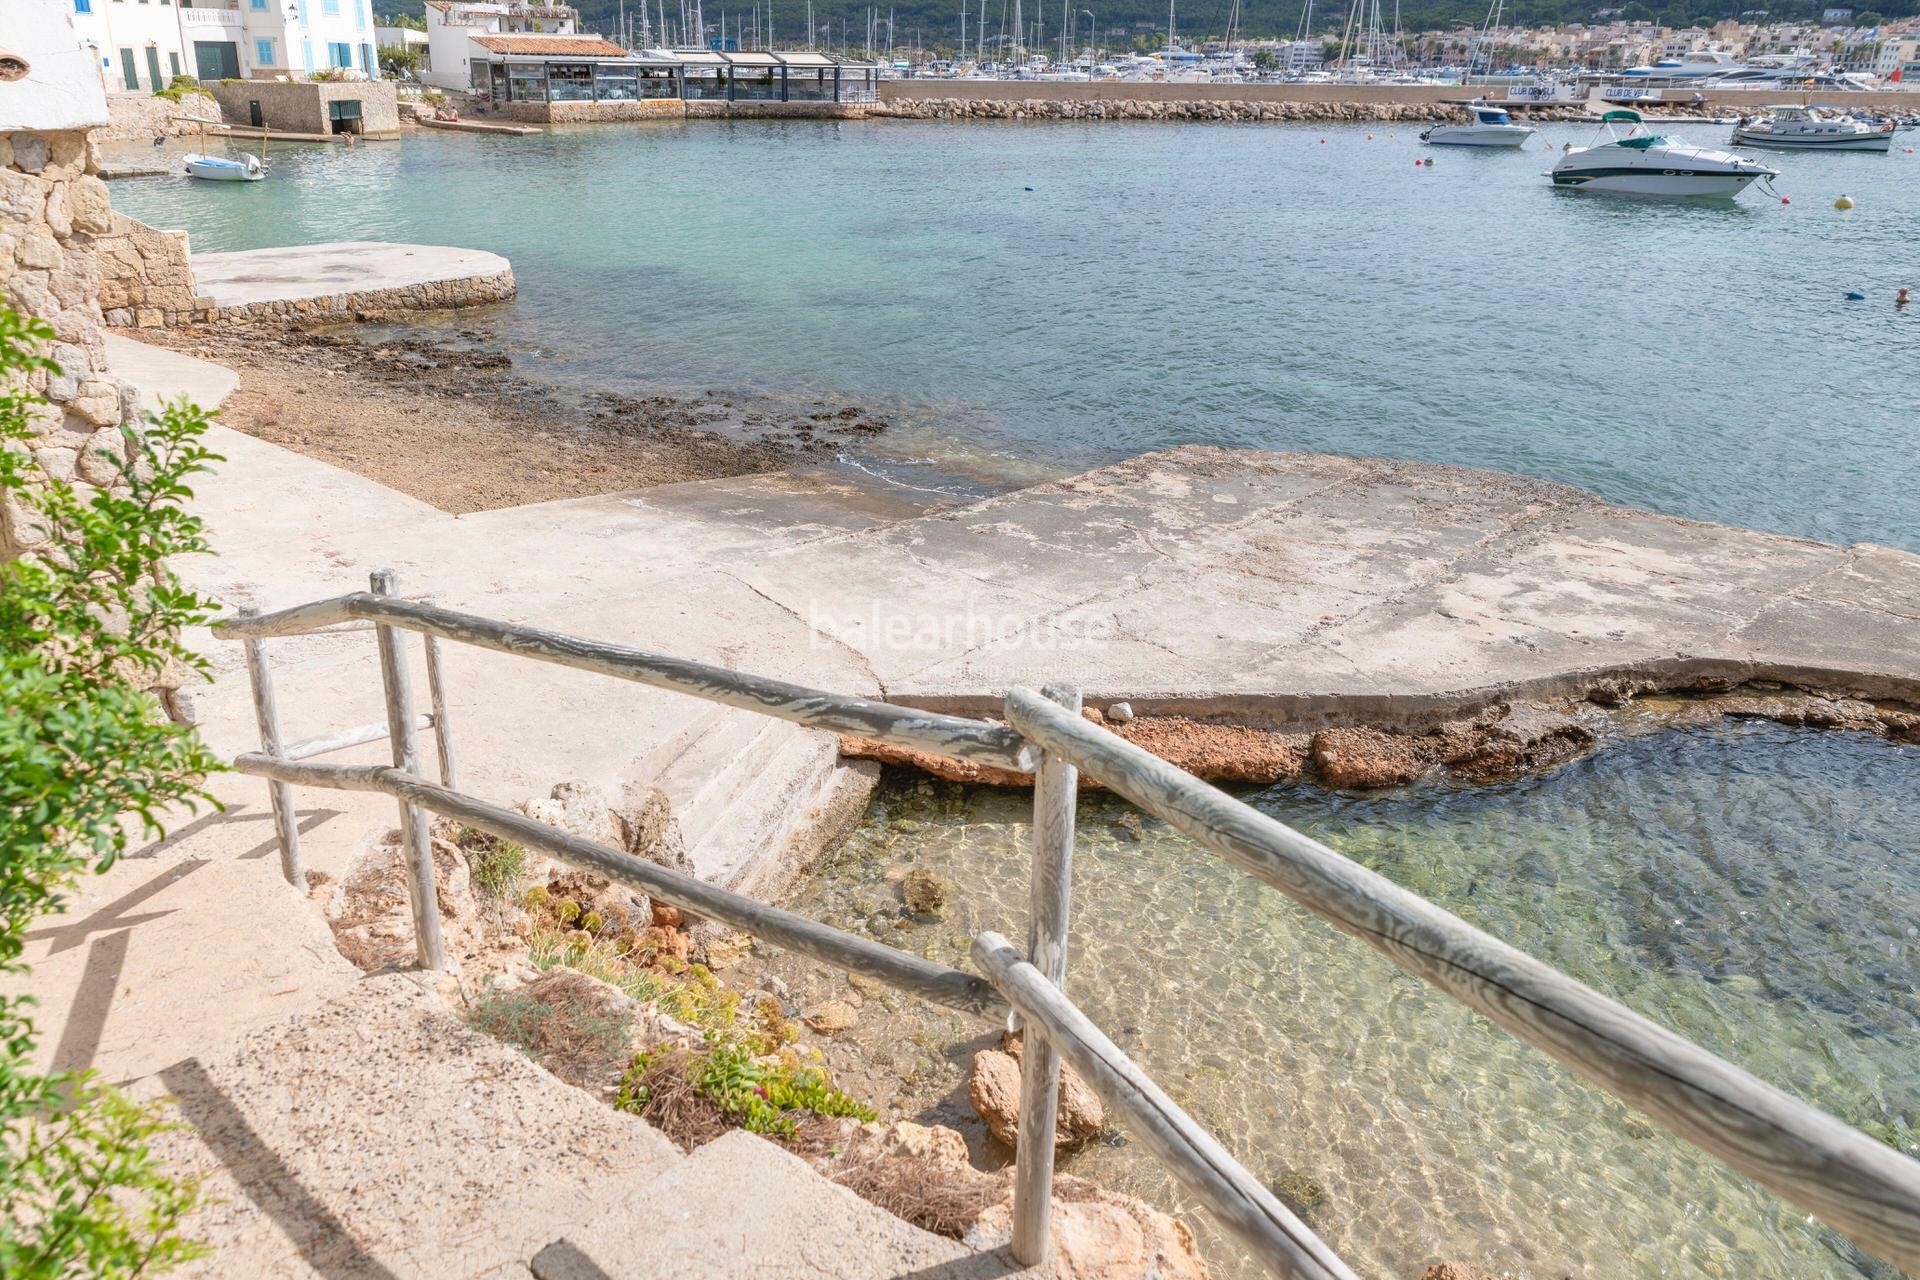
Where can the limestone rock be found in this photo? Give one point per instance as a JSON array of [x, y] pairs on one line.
[[993, 1086], [88, 206], [722, 947], [580, 809], [1365, 758], [38, 251], [31, 152], [933, 1143], [1120, 712], [1455, 1271], [1099, 1235], [830, 1017]]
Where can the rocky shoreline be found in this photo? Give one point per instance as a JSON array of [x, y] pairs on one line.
[[446, 415], [1502, 740]]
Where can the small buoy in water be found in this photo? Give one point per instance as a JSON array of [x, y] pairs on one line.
[[1909, 150], [1323, 142], [1844, 202], [1784, 200], [1369, 137], [1428, 162], [1901, 299], [1854, 295], [1029, 188]]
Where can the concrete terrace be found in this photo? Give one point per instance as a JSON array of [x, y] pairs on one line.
[[332, 1109], [359, 274]]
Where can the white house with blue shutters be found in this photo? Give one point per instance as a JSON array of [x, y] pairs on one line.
[[140, 45]]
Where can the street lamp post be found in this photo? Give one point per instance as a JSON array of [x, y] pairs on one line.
[[1093, 34]]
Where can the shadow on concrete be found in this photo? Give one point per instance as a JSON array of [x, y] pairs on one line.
[[978, 1266], [87, 1016], [69, 934], [323, 1240], [565, 1260], [311, 819]]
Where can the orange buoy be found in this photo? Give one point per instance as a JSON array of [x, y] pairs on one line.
[[1784, 200]]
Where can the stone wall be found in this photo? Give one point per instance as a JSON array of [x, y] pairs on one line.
[[146, 277], [1213, 109], [585, 112], [53, 208], [139, 117], [300, 106], [437, 295], [710, 109]]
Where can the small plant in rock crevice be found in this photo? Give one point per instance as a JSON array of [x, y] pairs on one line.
[[731, 1086]]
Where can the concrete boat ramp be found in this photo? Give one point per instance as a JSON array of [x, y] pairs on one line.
[[359, 275], [353, 1126]]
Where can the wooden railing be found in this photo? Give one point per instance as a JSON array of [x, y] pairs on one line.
[[1856, 1184]]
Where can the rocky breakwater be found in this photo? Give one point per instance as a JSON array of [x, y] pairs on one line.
[[1236, 110]]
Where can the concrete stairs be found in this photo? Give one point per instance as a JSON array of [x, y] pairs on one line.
[[379, 1136], [741, 1208], [747, 791]]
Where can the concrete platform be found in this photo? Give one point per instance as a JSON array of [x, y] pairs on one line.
[[364, 273], [162, 374]]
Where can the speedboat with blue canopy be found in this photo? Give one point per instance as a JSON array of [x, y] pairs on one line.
[[1490, 126], [1633, 160]]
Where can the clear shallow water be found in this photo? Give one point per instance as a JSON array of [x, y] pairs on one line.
[[1752, 887], [1239, 285]]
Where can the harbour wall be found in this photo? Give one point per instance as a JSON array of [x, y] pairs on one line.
[[1125, 100]]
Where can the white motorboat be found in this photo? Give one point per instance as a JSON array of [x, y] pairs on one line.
[[221, 169], [1638, 162], [1490, 127], [1791, 127]]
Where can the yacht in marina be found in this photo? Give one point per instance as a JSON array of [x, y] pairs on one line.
[[1792, 127], [1491, 126], [1634, 161]]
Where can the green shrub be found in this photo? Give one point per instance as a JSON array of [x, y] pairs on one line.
[[496, 865], [761, 1096], [87, 763]]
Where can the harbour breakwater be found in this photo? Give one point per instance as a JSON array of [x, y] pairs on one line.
[[1187, 109]]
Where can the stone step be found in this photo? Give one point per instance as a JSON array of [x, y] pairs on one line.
[[730, 743], [746, 846], [740, 1208], [718, 796], [379, 1136]]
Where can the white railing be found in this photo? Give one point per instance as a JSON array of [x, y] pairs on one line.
[[1855, 1184], [198, 17]]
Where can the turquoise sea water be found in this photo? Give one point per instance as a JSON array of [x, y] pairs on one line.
[[1751, 887], [1244, 285]]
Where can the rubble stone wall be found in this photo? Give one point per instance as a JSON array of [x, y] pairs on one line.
[[146, 277], [53, 212]]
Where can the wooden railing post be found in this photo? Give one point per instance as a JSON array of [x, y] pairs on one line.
[[415, 837], [442, 731], [279, 795], [1056, 788]]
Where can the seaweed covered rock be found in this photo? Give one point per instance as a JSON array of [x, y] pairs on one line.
[[926, 893]]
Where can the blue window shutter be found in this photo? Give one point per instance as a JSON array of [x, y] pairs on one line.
[[83, 6], [306, 52], [360, 14], [263, 51]]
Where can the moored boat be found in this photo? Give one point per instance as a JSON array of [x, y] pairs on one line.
[[221, 169], [1490, 127], [1640, 162], [1792, 127]]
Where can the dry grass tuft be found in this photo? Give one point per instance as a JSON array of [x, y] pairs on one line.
[[946, 1199]]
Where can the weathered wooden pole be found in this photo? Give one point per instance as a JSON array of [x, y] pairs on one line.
[[279, 795], [1056, 790], [415, 837], [442, 731]]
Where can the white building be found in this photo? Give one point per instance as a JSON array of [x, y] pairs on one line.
[[1302, 55], [140, 45], [452, 24]]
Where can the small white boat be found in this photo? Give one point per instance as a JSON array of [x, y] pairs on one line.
[[1490, 127], [1791, 127], [1642, 163], [221, 169]]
